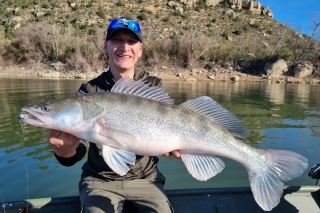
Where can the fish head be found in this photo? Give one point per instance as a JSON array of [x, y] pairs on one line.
[[63, 114]]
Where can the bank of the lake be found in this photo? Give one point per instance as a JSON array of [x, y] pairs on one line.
[[165, 73]]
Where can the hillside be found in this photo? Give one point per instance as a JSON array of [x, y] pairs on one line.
[[188, 34]]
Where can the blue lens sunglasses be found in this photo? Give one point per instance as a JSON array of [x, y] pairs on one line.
[[131, 24]]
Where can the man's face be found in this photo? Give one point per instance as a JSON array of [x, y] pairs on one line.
[[124, 49]]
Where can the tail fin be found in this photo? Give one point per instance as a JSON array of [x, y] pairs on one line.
[[266, 183]]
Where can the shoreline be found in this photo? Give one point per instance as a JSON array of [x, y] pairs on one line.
[[166, 74]]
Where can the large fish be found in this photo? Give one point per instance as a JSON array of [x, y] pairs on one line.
[[137, 119]]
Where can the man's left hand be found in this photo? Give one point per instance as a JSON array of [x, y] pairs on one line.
[[175, 153]]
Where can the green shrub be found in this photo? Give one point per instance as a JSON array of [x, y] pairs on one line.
[[8, 32], [128, 14], [45, 5], [237, 32], [165, 19], [75, 8], [147, 11], [269, 32], [176, 13], [246, 28], [201, 4], [142, 17], [101, 12], [236, 19], [285, 53], [225, 34], [255, 26], [237, 9], [119, 3], [174, 47], [186, 27]]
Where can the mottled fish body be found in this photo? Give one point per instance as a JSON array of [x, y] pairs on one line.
[[137, 119]]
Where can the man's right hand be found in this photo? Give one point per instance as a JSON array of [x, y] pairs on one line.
[[63, 144], [314, 172]]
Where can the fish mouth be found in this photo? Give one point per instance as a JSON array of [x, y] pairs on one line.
[[31, 119]]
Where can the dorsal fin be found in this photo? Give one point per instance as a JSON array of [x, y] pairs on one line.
[[213, 110], [139, 88]]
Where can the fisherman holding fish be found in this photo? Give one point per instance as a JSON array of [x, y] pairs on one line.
[[137, 118], [101, 189]]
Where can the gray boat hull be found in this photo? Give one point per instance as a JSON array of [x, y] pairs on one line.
[[305, 199]]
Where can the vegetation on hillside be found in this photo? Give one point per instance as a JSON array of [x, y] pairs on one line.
[[44, 31]]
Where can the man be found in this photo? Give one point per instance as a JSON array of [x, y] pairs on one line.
[[101, 189]]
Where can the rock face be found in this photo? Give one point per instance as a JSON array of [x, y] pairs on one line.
[[303, 69], [276, 69], [254, 6]]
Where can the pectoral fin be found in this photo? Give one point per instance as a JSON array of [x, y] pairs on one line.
[[202, 166], [117, 159]]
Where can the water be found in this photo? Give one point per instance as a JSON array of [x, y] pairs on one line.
[[279, 116]]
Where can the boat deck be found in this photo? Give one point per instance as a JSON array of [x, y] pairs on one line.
[[214, 200]]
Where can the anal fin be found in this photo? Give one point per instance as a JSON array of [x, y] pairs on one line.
[[202, 166]]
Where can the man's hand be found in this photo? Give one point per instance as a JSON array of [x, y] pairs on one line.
[[63, 144], [175, 153]]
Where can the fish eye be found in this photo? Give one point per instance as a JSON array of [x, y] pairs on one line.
[[45, 108]]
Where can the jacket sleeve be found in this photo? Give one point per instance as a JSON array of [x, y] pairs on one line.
[[80, 153]]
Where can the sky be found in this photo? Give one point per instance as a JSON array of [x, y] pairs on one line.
[[295, 13]]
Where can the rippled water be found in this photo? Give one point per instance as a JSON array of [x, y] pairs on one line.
[[279, 116]]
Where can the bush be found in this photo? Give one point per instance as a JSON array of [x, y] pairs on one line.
[[201, 4], [246, 28], [101, 12], [176, 13], [269, 32], [236, 19], [255, 26], [142, 17], [119, 3], [165, 19], [286, 54], [225, 34], [237, 32], [128, 14]]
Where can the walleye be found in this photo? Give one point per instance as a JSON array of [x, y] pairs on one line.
[[135, 119]]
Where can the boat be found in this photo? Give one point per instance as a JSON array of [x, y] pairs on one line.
[[304, 199]]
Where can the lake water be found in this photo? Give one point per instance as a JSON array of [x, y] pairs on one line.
[[279, 116]]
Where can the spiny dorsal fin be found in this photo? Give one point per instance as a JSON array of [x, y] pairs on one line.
[[213, 110], [139, 88]]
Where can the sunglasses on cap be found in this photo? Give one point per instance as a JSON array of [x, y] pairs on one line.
[[119, 23]]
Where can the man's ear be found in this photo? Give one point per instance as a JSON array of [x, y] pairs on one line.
[[105, 48], [141, 49]]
